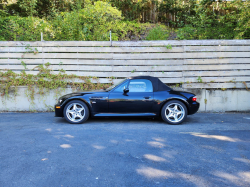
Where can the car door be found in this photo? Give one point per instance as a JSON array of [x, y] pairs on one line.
[[138, 99], [99, 102]]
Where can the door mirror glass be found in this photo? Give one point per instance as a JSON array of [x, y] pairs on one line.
[[125, 90], [121, 87]]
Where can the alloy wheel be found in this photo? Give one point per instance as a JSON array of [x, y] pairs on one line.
[[75, 112], [175, 112]]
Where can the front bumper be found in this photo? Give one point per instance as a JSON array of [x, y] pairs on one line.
[[58, 111]]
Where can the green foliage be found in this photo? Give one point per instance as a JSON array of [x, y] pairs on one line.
[[218, 21], [91, 23], [45, 80], [160, 32], [3, 13], [180, 10], [205, 101], [24, 65], [94, 22], [199, 79], [169, 46], [130, 30], [133, 70], [28, 6], [242, 15], [133, 9], [187, 33], [24, 29], [92, 19]]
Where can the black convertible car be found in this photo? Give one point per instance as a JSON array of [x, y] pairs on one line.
[[134, 96]]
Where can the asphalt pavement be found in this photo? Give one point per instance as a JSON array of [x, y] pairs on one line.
[[208, 149]]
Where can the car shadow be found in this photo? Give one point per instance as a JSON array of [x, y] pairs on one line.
[[137, 120], [91, 120]]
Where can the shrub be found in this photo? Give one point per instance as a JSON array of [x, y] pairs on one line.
[[209, 23], [91, 23], [160, 32], [24, 28]]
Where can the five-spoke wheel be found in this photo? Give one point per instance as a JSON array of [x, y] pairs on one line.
[[76, 112], [174, 112]]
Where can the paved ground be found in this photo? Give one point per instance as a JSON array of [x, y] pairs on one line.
[[207, 150]]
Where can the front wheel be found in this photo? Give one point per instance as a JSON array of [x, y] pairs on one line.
[[174, 112], [76, 112]]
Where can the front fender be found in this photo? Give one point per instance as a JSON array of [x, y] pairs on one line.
[[59, 111]]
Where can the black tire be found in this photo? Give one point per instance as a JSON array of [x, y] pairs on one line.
[[173, 110], [79, 114]]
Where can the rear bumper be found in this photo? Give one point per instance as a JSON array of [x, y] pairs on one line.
[[194, 107], [58, 111]]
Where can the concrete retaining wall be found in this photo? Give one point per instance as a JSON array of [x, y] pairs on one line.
[[222, 101], [210, 100], [22, 102]]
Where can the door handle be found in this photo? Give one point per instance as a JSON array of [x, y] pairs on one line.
[[147, 97]]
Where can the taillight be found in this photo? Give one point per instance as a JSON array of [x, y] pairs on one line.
[[194, 98]]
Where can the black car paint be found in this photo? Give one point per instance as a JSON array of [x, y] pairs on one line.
[[111, 103]]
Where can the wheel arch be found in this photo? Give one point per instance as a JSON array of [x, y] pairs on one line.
[[79, 99], [178, 99]]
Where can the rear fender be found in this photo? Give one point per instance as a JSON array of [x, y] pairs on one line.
[[183, 100]]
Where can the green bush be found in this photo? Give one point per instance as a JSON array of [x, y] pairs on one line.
[[93, 20], [93, 23], [207, 23], [160, 32], [24, 29], [130, 30]]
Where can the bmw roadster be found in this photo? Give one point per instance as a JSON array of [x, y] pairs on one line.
[[134, 96]]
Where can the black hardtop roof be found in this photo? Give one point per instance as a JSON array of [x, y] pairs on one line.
[[157, 84]]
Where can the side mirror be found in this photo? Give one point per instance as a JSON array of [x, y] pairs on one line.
[[126, 90]]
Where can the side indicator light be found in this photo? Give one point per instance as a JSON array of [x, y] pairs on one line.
[[194, 98], [58, 107]]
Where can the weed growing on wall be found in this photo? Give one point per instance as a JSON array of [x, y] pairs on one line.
[[45, 81]]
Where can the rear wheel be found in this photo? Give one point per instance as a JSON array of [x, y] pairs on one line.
[[174, 112], [76, 112]]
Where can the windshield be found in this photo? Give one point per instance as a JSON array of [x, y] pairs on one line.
[[113, 86]]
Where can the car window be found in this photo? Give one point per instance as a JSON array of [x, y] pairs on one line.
[[121, 87], [140, 85], [115, 85]]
